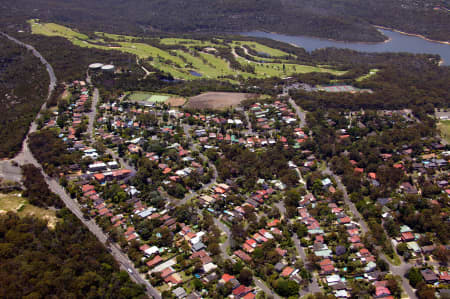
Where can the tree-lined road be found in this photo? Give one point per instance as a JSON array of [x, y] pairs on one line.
[[26, 157]]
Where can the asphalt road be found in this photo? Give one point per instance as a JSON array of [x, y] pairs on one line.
[[25, 157], [400, 270], [91, 115], [225, 245], [347, 201], [300, 113]]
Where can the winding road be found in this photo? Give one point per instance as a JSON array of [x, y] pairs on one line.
[[25, 157]]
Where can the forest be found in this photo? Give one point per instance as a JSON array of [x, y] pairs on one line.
[[404, 81], [67, 262], [23, 89], [349, 20]]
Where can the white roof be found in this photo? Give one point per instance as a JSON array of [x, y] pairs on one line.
[[152, 250], [333, 278]]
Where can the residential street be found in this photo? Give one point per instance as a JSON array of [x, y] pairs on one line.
[[91, 115], [225, 245], [400, 270], [300, 113], [25, 157]]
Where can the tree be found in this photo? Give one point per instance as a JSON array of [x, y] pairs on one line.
[[414, 277], [402, 248], [442, 254], [245, 276]]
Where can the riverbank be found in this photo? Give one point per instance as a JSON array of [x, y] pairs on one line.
[[412, 34], [328, 39]]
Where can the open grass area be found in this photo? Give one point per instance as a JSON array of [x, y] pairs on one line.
[[141, 96], [13, 202], [444, 127], [371, 73], [184, 64], [52, 29], [260, 48]]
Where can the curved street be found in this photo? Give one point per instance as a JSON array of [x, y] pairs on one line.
[[25, 157]]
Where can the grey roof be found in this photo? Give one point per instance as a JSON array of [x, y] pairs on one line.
[[198, 246], [179, 292]]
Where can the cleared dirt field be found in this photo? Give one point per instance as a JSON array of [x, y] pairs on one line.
[[218, 100], [176, 102]]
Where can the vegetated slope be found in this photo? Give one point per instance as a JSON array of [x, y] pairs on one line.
[[68, 262], [337, 19], [402, 81], [23, 89]]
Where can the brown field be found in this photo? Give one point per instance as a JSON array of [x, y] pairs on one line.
[[176, 102], [218, 100]]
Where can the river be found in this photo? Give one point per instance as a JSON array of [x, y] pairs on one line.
[[398, 42]]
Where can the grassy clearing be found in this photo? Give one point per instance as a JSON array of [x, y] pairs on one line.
[[444, 127], [371, 73], [52, 29], [260, 48], [283, 69], [178, 62], [117, 37], [15, 203], [141, 96]]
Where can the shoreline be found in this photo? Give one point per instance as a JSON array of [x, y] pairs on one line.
[[365, 43], [413, 34], [327, 39]]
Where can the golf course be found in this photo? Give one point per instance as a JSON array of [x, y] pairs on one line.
[[190, 59]]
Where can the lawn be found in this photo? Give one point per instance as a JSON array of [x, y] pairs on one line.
[[260, 48], [148, 96], [444, 127], [15, 203], [52, 29], [282, 69], [371, 73]]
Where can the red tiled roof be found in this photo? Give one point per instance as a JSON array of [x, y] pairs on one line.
[[227, 277], [287, 271]]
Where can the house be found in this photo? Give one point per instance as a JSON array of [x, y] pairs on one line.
[[279, 266], [408, 237], [179, 292], [155, 261], [382, 292], [326, 266], [226, 278], [242, 255], [408, 188], [241, 291], [429, 276], [287, 272]]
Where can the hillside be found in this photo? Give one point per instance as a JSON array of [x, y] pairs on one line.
[[339, 19]]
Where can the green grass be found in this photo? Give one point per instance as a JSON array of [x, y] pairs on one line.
[[178, 62], [371, 73], [147, 96], [52, 29], [117, 37], [15, 203], [395, 261], [444, 127], [260, 48]]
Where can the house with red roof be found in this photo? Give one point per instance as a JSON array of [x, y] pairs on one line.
[[227, 277], [241, 291], [287, 271], [273, 223], [408, 237], [154, 261], [382, 292]]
